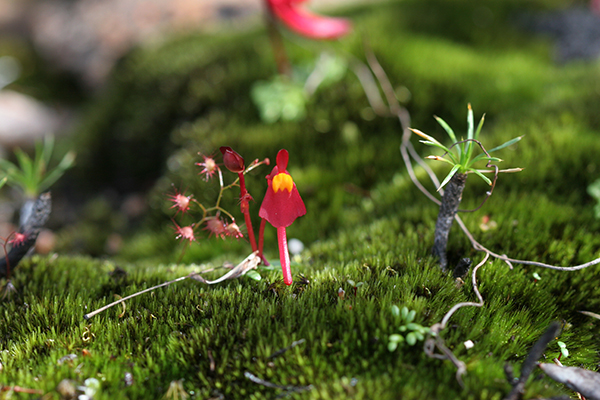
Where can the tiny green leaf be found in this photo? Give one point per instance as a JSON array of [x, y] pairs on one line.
[[479, 126], [413, 326], [395, 311], [563, 348], [449, 176], [447, 128], [470, 122], [253, 275], [435, 144], [404, 312], [483, 156], [506, 144], [482, 176], [411, 339], [396, 338]]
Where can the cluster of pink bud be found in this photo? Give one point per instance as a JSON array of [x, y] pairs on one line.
[[215, 220], [281, 205]]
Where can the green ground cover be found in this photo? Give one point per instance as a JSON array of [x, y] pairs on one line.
[[368, 230]]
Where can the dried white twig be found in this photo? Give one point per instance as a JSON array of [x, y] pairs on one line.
[[434, 339], [250, 262]]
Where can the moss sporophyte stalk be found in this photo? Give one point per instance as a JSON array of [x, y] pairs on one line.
[[281, 206]]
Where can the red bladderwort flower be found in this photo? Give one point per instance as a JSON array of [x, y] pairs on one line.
[[306, 23], [180, 201], [209, 165], [280, 207], [184, 233], [235, 163]]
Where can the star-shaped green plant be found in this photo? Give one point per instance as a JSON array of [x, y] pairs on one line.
[[460, 156], [462, 159], [33, 175]]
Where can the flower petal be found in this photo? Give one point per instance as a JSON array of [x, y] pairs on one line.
[[308, 24], [282, 208]]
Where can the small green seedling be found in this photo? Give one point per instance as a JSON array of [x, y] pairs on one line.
[[411, 331], [459, 155], [33, 176], [286, 98], [563, 349]]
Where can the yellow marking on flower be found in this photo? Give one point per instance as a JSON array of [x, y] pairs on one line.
[[282, 181]]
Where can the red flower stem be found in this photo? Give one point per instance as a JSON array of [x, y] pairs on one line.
[[281, 59], [261, 241], [245, 208], [251, 237], [284, 256]]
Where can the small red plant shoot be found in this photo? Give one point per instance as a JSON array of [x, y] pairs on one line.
[[280, 207], [235, 163]]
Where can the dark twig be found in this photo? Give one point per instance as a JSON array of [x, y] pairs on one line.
[[531, 361], [450, 201], [30, 229]]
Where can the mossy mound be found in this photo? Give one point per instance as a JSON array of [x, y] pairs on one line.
[[369, 230], [167, 103]]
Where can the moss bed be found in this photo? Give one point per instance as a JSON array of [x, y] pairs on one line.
[[368, 230]]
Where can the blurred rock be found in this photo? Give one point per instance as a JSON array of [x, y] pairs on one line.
[[88, 36], [45, 242], [66, 389], [576, 30], [24, 119]]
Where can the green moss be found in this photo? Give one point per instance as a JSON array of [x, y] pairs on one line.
[[189, 331]]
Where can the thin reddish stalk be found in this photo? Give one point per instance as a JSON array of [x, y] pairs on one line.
[[251, 237], [245, 208], [284, 255]]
